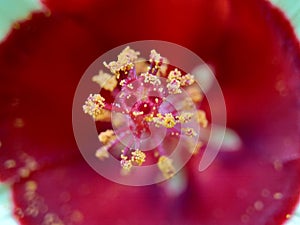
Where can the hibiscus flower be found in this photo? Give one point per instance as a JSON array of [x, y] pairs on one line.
[[254, 53]]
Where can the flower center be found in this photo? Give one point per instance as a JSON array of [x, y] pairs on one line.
[[149, 106]]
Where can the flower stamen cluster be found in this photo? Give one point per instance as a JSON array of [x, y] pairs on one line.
[[137, 158], [142, 101], [94, 105], [176, 80]]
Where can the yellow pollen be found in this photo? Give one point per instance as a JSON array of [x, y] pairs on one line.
[[136, 113], [149, 118], [187, 80], [130, 86], [155, 57], [184, 117], [166, 167], [94, 105], [107, 136], [105, 116], [189, 132], [174, 74], [124, 62], [152, 79], [138, 157], [169, 121], [201, 118], [195, 93], [102, 153], [174, 87], [166, 120], [126, 165], [105, 81]]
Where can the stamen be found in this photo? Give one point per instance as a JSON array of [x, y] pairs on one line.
[[195, 93], [138, 157], [165, 165], [174, 74], [125, 163], [105, 81], [104, 116], [169, 121], [94, 105], [156, 61], [107, 136], [125, 62], [201, 118], [184, 117], [166, 120], [152, 79], [102, 153], [143, 101], [187, 80], [174, 87]]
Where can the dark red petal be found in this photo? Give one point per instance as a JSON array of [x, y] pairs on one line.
[[251, 47]]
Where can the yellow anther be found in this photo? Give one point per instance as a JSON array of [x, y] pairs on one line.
[[165, 165], [189, 132], [122, 82], [174, 87], [107, 136], [105, 81], [102, 153], [105, 116], [152, 79], [195, 93], [124, 63], [149, 118], [184, 117], [174, 74], [141, 66], [192, 148], [155, 57], [137, 113], [138, 157], [169, 120], [94, 105], [201, 118], [187, 80], [130, 86], [125, 164]]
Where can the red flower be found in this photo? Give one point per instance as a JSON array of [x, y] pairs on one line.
[[255, 55]]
